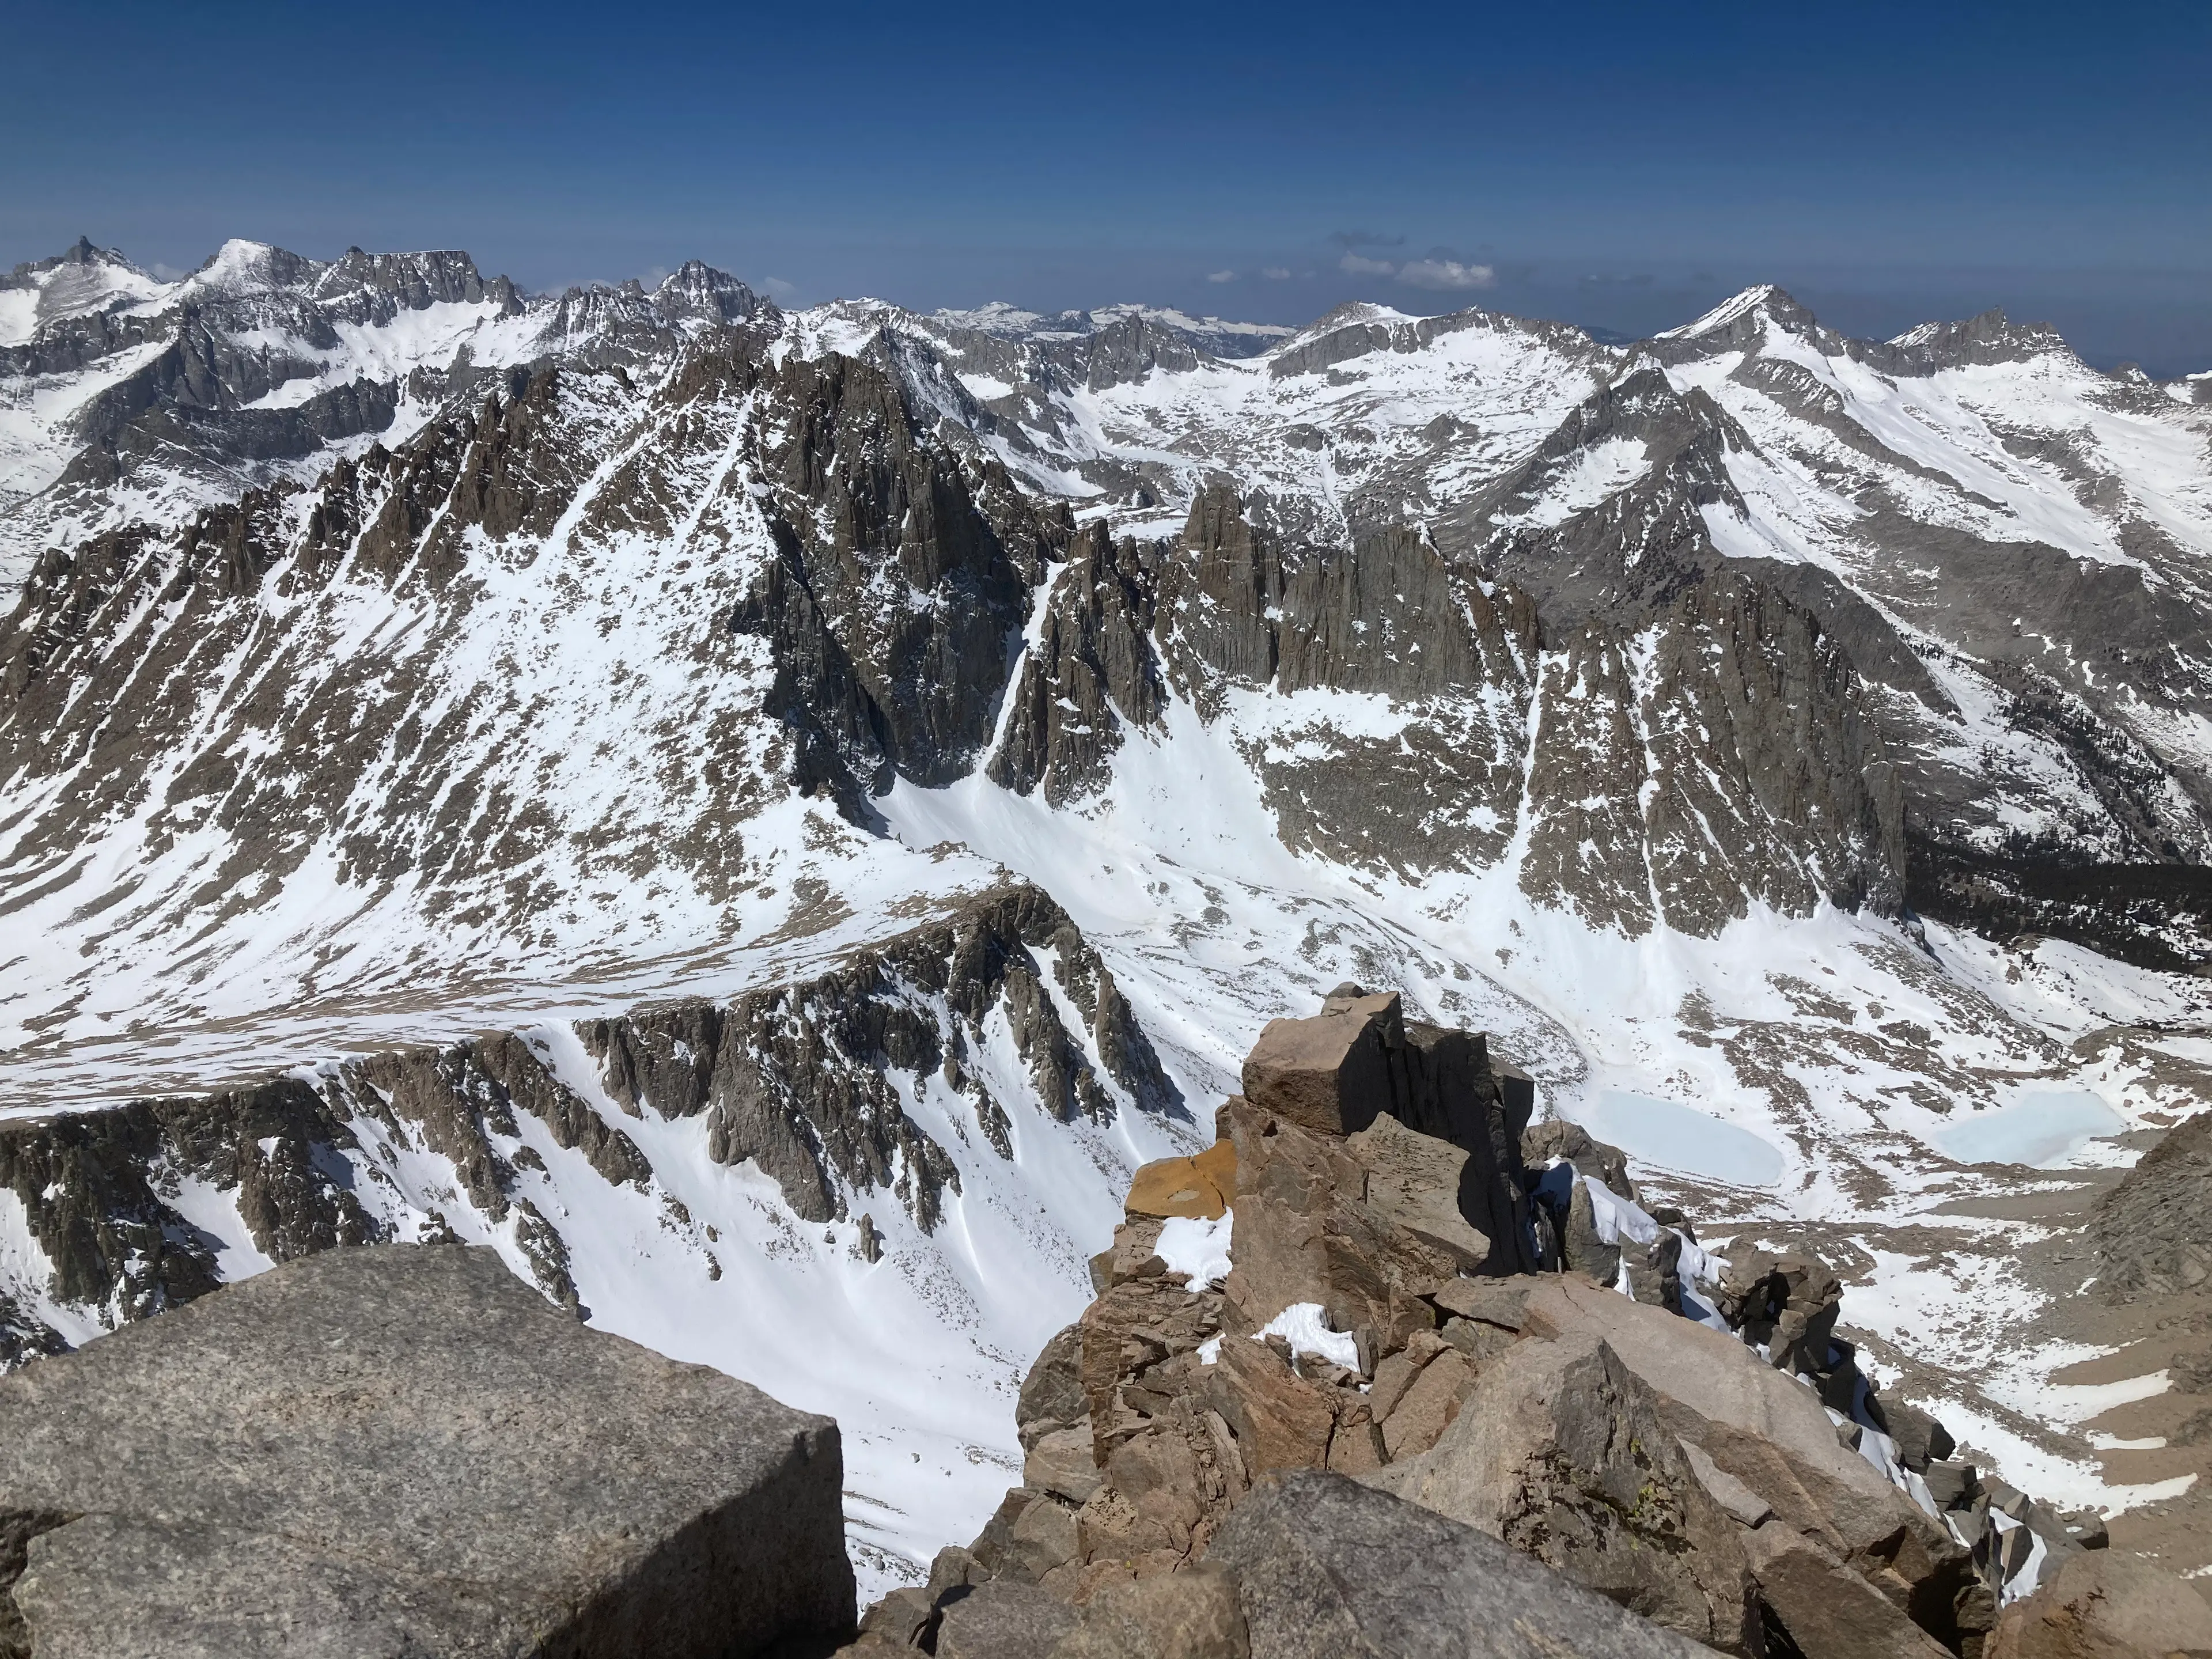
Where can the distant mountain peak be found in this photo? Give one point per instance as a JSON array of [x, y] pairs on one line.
[[1740, 319], [1991, 336]]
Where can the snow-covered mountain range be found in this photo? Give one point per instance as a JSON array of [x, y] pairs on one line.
[[1807, 730]]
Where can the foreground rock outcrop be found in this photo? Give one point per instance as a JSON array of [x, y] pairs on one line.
[[1313, 1565], [2106, 1603], [1383, 1279], [406, 1450]]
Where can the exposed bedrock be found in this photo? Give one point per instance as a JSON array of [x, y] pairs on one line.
[[1682, 1435], [405, 1450], [917, 571], [2154, 1230], [1718, 754]]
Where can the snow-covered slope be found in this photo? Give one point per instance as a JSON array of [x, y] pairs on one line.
[[127, 399], [402, 657]]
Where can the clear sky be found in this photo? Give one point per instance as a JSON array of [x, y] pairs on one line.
[[1621, 166]]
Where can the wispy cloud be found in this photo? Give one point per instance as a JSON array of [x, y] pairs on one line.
[[1446, 274], [1276, 274], [778, 288], [1220, 275], [1437, 270]]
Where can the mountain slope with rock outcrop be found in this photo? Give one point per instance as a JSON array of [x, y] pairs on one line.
[[906, 1157]]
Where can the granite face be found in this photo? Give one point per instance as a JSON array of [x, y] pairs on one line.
[[1328, 1566], [405, 1449]]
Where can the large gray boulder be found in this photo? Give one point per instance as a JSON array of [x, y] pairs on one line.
[[1559, 1451], [1329, 1569], [1770, 1432], [405, 1450]]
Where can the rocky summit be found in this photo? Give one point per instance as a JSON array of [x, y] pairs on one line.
[[1314, 1409], [781, 824]]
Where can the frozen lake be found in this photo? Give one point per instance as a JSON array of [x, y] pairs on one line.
[[2038, 1130], [1678, 1136]]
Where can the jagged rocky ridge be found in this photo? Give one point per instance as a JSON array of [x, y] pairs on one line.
[[448, 681], [796, 1079], [867, 497], [1683, 1435]]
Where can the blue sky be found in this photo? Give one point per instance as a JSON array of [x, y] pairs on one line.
[[1618, 166]]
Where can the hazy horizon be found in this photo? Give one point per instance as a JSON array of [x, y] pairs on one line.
[[1611, 167]]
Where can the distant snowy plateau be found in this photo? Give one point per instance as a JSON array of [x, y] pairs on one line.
[[768, 817]]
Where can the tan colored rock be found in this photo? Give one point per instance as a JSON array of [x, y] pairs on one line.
[[1051, 1393], [1413, 1185], [2103, 1604], [1132, 1330], [1042, 1537], [1769, 1431], [1479, 1342], [1190, 1614], [1829, 1611], [1165, 1486], [1356, 1445], [1202, 1188], [1329, 1073], [1154, 1520], [1280, 1420], [1062, 1462], [1127, 1257], [1395, 1373], [1365, 1230], [1428, 1406], [1286, 1182], [1557, 1450], [1745, 1506], [1502, 1302]]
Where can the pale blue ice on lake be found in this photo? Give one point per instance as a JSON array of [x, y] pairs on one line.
[[2039, 1130], [1678, 1137]]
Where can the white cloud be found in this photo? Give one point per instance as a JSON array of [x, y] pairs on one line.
[[1444, 274], [1220, 275], [1276, 274], [1364, 267], [778, 288]]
